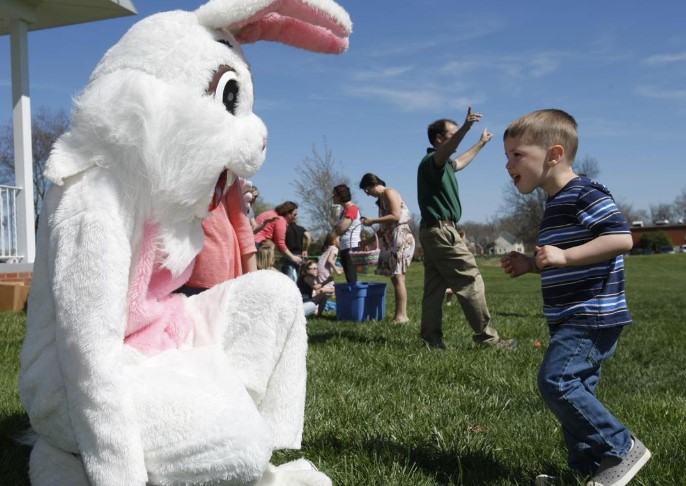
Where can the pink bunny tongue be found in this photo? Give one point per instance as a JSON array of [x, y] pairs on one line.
[[218, 191]]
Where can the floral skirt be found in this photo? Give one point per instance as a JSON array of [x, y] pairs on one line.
[[397, 249]]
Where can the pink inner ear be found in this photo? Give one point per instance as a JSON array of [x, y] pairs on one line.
[[298, 10], [294, 32]]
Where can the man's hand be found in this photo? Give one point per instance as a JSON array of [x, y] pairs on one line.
[[516, 264], [550, 256], [471, 118], [486, 136]]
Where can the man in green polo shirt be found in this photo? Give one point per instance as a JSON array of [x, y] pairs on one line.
[[448, 264]]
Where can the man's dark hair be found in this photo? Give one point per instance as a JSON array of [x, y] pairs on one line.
[[438, 128]]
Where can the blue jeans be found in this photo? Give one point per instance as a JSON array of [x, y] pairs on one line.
[[567, 380], [291, 269]]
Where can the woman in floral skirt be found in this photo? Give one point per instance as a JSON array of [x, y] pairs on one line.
[[395, 239]]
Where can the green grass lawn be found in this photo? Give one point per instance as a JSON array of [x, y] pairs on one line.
[[384, 410]]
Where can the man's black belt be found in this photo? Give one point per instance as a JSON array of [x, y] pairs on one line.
[[437, 224]]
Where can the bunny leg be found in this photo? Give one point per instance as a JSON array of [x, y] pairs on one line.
[[49, 466], [259, 321], [198, 424]]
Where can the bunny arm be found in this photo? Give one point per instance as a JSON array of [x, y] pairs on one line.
[[90, 299]]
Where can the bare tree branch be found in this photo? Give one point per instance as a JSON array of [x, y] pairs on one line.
[[317, 176], [46, 128]]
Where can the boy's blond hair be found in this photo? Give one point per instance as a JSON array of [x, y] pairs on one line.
[[546, 128]]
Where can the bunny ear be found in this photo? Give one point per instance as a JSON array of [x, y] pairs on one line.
[[315, 25]]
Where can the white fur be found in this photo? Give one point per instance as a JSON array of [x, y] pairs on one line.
[[146, 146]]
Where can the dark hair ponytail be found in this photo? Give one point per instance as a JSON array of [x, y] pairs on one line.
[[369, 180]]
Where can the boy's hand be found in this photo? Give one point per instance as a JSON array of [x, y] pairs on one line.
[[550, 256], [516, 264]]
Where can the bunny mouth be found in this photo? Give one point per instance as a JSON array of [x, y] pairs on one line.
[[219, 188]]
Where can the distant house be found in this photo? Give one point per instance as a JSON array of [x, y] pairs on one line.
[[675, 232], [505, 243]]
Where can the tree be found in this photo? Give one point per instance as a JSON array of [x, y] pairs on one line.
[[525, 213], [482, 233], [653, 241], [46, 128], [314, 188], [587, 166], [630, 214], [680, 206], [661, 212]]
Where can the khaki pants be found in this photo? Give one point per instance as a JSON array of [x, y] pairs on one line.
[[449, 264]]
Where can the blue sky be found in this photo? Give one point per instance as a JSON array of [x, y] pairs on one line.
[[618, 66]]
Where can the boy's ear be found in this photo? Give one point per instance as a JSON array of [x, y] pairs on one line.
[[555, 154]]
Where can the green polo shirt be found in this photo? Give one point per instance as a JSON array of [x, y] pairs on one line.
[[437, 191]]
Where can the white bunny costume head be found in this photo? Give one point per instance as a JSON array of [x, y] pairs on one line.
[[169, 107], [125, 381]]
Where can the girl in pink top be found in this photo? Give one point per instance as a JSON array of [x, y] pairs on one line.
[[271, 225], [327, 260]]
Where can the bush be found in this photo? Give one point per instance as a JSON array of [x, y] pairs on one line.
[[653, 241]]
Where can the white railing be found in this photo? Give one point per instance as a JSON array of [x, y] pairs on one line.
[[8, 225]]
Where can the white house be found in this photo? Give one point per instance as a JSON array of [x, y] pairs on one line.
[[505, 243]]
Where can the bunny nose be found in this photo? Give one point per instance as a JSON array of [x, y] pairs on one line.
[[264, 144]]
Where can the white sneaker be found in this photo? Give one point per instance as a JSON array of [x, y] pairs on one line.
[[544, 480], [618, 472]]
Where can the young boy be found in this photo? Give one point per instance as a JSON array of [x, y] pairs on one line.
[[579, 256]]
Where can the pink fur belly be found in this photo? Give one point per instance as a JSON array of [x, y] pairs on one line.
[[157, 316]]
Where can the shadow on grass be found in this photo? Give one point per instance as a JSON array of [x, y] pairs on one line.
[[450, 467], [445, 467], [314, 339], [517, 314], [14, 458]]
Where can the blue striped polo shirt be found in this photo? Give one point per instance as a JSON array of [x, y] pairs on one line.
[[588, 295]]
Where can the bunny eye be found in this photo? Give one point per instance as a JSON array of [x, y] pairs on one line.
[[227, 91]]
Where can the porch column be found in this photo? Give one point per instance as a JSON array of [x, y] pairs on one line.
[[23, 152]]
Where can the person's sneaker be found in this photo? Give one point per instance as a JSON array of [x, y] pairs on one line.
[[618, 472], [545, 480], [506, 344]]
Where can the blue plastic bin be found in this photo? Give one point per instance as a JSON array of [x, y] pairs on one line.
[[360, 301]]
